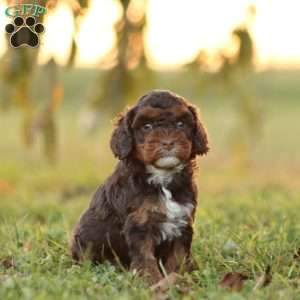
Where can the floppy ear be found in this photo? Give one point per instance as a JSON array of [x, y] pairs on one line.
[[121, 142], [200, 140]]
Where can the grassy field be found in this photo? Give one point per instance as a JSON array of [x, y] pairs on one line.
[[247, 220]]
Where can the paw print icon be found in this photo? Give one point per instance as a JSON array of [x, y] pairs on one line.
[[24, 32]]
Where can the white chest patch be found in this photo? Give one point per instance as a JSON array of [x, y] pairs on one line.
[[160, 176], [177, 216]]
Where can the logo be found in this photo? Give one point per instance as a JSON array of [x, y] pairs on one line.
[[24, 29], [34, 10]]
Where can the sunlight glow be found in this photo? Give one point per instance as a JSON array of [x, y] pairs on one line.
[[3, 22], [97, 35], [56, 42], [276, 32], [176, 31]]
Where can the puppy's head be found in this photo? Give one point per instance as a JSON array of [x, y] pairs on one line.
[[162, 130]]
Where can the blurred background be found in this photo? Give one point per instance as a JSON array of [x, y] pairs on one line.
[[238, 61]]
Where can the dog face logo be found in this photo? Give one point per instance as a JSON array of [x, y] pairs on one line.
[[24, 32]]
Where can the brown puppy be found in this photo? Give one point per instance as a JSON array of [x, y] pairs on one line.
[[144, 212]]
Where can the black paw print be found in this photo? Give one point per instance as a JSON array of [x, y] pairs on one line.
[[24, 34]]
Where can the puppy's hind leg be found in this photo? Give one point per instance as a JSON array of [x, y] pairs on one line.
[[98, 240], [83, 245]]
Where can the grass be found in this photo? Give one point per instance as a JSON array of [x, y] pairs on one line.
[[247, 220]]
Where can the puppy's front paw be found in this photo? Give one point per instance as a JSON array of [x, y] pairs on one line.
[[148, 270], [165, 283]]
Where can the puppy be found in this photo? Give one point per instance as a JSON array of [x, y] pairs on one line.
[[142, 216]]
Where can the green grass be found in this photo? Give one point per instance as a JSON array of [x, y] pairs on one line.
[[247, 220]]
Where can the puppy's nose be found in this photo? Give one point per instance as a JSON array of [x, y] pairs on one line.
[[168, 144]]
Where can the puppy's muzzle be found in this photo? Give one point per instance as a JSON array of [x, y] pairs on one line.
[[167, 162]]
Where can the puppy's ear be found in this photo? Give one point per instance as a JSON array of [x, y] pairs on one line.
[[200, 140], [121, 142]]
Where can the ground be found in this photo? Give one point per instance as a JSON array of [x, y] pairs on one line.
[[247, 220]]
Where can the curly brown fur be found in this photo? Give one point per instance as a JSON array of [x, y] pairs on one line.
[[144, 211]]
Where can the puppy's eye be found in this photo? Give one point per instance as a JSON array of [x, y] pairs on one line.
[[179, 124], [147, 127]]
